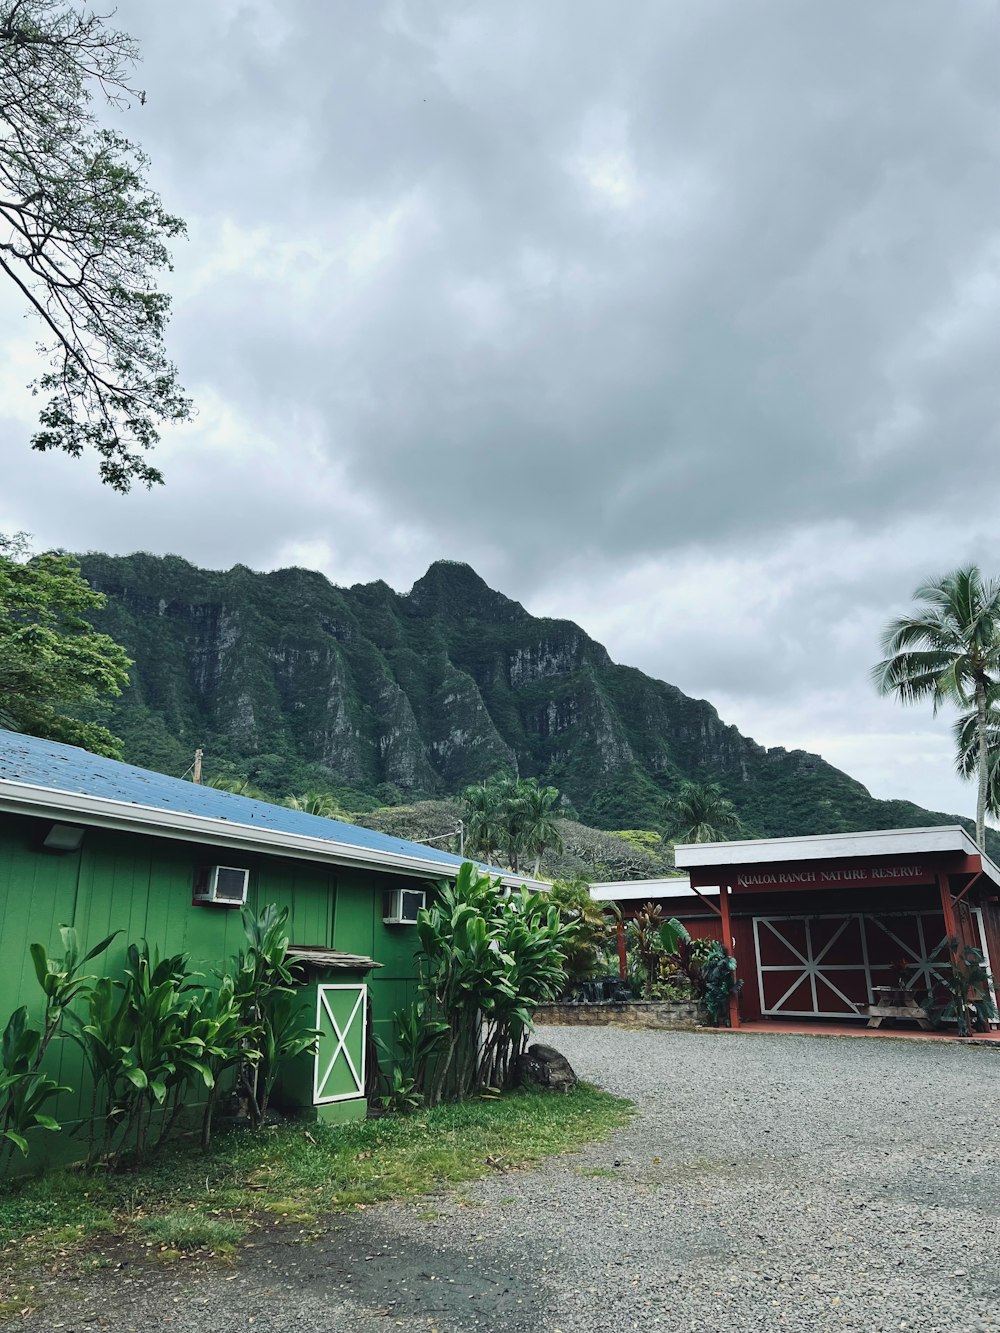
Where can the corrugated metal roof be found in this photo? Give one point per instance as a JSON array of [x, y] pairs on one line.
[[65, 768]]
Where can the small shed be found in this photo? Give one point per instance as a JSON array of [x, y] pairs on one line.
[[818, 925], [105, 846]]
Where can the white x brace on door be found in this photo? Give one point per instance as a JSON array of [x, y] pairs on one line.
[[340, 1052], [825, 966]]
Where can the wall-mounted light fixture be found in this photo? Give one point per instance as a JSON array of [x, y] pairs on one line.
[[63, 838]]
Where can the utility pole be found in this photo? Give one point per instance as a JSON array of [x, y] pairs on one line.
[[196, 777], [460, 827]]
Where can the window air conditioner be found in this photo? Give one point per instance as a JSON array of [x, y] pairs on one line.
[[400, 906], [225, 885]]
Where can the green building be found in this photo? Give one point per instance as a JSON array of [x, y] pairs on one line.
[[105, 846]]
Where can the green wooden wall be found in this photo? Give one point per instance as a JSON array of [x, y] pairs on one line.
[[143, 886]]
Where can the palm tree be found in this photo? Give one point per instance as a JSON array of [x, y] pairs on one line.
[[508, 817], [511, 797], [948, 651], [966, 734], [699, 812], [540, 831], [239, 787], [483, 832], [316, 803]]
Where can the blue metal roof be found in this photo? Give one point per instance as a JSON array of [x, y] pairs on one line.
[[56, 767]]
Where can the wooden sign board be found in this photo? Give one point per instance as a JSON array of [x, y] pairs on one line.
[[826, 875]]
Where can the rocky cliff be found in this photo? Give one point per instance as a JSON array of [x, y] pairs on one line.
[[294, 682]]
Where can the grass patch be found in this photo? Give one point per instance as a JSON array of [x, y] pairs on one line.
[[187, 1199], [192, 1231]]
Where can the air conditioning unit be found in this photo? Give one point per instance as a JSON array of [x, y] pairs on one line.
[[225, 885], [400, 906]]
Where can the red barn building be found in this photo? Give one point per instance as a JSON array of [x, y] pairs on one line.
[[817, 923]]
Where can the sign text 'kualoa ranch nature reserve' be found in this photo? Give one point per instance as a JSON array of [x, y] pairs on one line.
[[902, 874]]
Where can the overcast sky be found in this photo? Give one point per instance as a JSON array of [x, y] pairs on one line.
[[679, 320]]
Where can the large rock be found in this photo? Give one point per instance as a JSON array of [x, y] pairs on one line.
[[544, 1067]]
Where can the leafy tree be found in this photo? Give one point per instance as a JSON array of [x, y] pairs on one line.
[[948, 651], [509, 796], [699, 812], [83, 237], [53, 663]]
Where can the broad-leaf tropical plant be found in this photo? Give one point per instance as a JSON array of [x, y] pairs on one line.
[[948, 652], [61, 979], [24, 1090], [275, 1020]]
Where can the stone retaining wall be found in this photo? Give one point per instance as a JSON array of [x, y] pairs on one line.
[[638, 1014]]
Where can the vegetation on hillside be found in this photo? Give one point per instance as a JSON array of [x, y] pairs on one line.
[[297, 685]]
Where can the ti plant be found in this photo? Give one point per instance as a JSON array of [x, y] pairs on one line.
[[418, 1041], [486, 963], [708, 966], [275, 1022], [967, 983], [24, 1090], [648, 925], [225, 1037], [61, 979]]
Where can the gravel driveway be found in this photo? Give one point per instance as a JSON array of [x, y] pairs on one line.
[[768, 1182]]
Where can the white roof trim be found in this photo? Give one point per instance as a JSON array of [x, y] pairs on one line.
[[629, 890], [102, 812], [829, 846]]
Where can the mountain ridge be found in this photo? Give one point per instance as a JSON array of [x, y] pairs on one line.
[[293, 681]]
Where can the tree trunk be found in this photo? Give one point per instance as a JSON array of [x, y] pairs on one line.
[[984, 765]]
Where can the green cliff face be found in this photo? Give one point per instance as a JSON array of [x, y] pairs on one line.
[[298, 683]]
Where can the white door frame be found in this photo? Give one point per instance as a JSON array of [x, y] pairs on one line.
[[341, 1034], [977, 912]]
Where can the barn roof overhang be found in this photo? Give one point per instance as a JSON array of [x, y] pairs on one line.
[[128, 817], [946, 849]]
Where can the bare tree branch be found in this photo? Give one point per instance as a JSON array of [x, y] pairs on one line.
[[83, 238]]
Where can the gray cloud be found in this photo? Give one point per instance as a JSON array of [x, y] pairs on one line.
[[696, 297]]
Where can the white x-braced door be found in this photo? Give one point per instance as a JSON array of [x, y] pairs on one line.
[[340, 1052], [826, 966]]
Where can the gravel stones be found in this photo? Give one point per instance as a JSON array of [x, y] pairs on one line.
[[767, 1183]]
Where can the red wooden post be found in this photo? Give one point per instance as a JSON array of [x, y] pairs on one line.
[[729, 942], [622, 955]]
